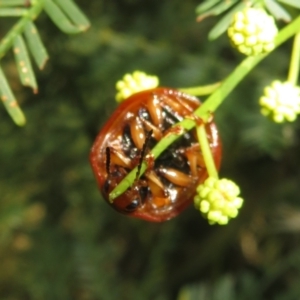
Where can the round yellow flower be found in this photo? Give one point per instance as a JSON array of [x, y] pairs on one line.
[[281, 101], [253, 31], [217, 200], [136, 82]]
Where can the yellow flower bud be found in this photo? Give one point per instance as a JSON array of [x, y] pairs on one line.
[[217, 200], [281, 101], [252, 31], [136, 82]]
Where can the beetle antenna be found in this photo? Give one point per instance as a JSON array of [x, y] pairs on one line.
[[143, 152]]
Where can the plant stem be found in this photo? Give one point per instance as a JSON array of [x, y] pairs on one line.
[[206, 152], [6, 3], [295, 60], [201, 90], [7, 41], [210, 105]]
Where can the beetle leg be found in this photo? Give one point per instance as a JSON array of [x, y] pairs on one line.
[[155, 110], [191, 156], [157, 134], [143, 154], [158, 188], [137, 132], [200, 160], [199, 121], [161, 201], [184, 104], [194, 157], [176, 177], [150, 160], [118, 158], [177, 130], [160, 197], [178, 107]]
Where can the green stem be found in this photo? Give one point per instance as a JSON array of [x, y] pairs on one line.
[[206, 152], [6, 3], [210, 105], [32, 13], [295, 60], [13, 12], [201, 90]]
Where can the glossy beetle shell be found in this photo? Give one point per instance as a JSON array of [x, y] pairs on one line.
[[169, 185]]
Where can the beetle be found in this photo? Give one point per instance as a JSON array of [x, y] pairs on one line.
[[169, 183]]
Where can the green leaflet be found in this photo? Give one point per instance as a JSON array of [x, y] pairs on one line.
[[294, 3], [7, 41], [201, 8], [12, 12], [64, 13], [36, 45], [216, 10], [11, 3], [223, 24], [74, 14], [9, 101], [23, 64], [277, 10], [59, 18]]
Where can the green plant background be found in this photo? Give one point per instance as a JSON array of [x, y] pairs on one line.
[[60, 240]]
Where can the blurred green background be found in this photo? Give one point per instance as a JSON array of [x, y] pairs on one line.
[[60, 240]]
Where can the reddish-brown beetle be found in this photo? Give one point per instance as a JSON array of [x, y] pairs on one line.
[[169, 184]]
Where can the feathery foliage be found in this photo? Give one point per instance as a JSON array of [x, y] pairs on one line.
[[64, 13]]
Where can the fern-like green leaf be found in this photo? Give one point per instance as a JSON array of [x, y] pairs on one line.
[[217, 9], [6, 3], [10, 102], [36, 45], [74, 14], [294, 3], [12, 12], [59, 18], [223, 24], [7, 41], [64, 13], [206, 5], [24, 66], [277, 10]]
